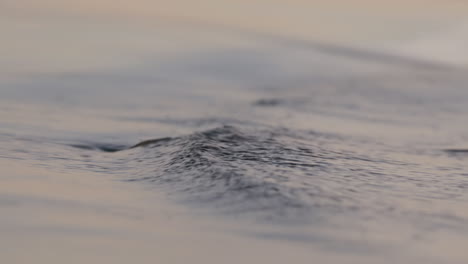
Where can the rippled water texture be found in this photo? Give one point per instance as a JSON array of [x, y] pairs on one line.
[[169, 140]]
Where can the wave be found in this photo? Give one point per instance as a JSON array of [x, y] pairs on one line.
[[232, 169], [277, 173]]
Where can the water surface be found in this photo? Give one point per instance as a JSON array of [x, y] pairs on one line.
[[207, 141]]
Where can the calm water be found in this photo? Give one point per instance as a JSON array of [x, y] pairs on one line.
[[178, 142]]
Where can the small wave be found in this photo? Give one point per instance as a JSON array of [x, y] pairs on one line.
[[238, 170], [268, 102], [456, 152], [99, 146]]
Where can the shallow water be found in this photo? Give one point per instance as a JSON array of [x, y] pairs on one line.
[[124, 141]]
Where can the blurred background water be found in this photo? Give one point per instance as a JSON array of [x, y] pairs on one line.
[[278, 131]]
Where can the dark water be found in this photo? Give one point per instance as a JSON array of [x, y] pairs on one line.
[[366, 151]]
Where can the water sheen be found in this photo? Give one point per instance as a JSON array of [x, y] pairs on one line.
[[193, 135]]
